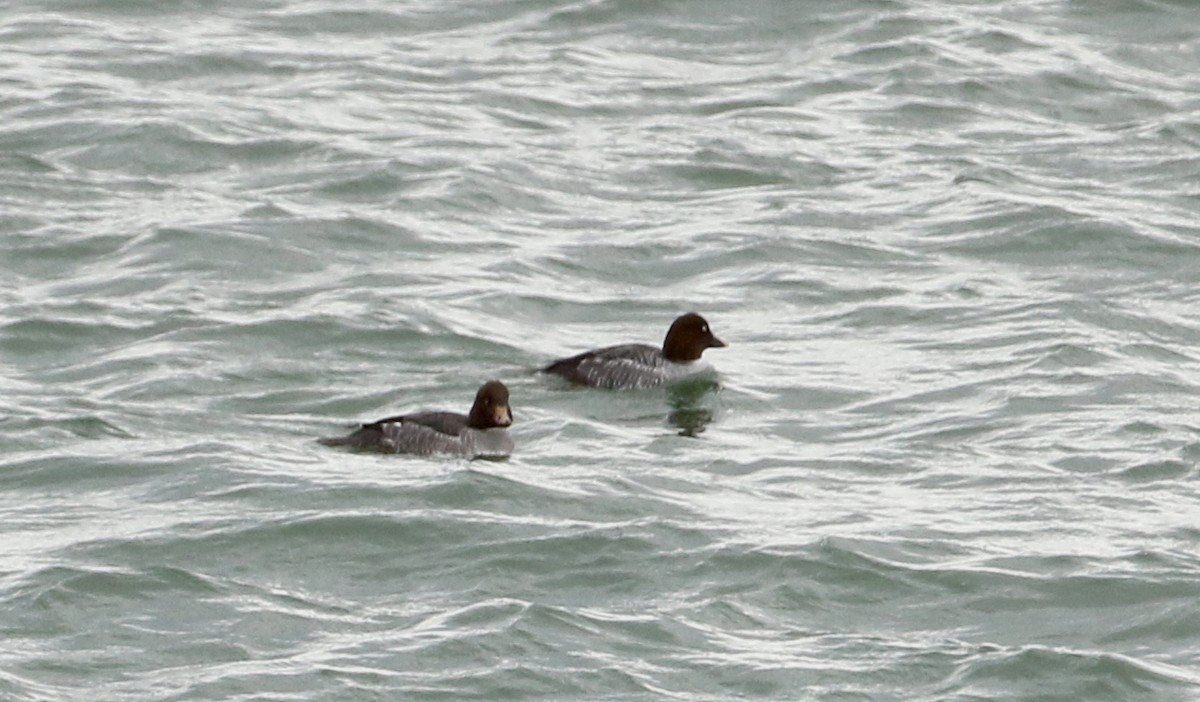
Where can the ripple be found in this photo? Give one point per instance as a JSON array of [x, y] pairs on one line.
[[1059, 672], [948, 451]]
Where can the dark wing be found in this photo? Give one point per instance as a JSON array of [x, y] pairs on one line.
[[449, 423], [380, 434], [612, 366], [367, 436]]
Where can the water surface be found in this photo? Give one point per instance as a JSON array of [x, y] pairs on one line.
[[952, 454]]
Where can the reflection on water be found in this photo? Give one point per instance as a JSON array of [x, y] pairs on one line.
[[687, 414]]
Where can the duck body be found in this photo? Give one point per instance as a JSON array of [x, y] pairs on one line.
[[624, 367]]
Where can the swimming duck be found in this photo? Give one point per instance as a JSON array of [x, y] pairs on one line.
[[634, 366], [481, 432]]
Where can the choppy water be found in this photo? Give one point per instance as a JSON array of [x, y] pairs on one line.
[[953, 246]]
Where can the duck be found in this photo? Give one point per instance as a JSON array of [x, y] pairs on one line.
[[638, 366], [482, 432]]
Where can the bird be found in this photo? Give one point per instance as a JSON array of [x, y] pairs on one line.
[[636, 366], [481, 432]]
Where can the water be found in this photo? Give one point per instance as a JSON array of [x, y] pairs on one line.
[[953, 247]]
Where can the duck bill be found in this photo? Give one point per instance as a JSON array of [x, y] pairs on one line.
[[502, 416], [715, 343]]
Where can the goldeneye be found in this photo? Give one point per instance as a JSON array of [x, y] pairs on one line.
[[634, 366], [480, 433]]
